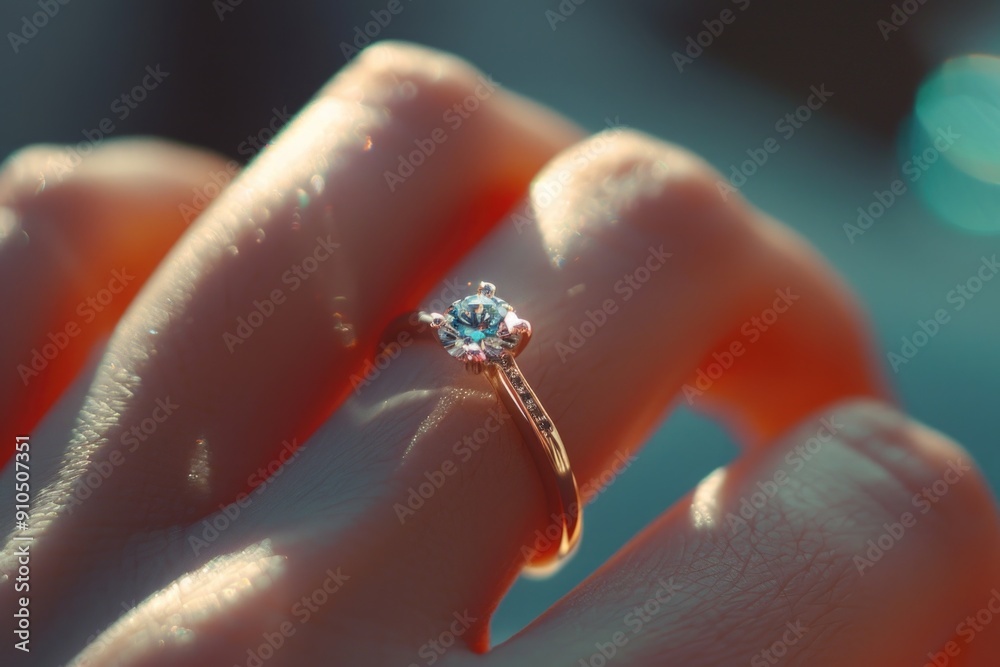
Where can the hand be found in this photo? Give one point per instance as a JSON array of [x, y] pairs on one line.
[[846, 534]]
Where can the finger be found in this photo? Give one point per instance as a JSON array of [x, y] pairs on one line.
[[861, 538], [246, 339], [78, 237], [271, 298], [638, 235], [420, 463]]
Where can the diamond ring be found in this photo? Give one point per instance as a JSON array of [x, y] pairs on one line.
[[484, 333]]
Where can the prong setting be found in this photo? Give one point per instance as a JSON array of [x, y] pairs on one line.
[[481, 329], [485, 334]]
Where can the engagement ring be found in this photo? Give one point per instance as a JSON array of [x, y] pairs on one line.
[[484, 333]]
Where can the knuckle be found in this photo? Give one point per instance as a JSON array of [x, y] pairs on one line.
[[405, 79], [656, 188]]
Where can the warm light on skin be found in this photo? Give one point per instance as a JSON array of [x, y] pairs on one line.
[[10, 228], [705, 501], [198, 468], [170, 618]]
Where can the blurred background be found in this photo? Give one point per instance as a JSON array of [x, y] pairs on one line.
[[892, 172]]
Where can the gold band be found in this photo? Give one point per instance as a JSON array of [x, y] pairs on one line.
[[551, 459], [562, 536]]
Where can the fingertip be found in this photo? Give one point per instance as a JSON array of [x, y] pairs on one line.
[[858, 525]]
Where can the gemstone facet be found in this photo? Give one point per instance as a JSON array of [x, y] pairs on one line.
[[478, 328]]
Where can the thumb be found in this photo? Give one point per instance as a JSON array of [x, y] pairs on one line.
[[860, 538]]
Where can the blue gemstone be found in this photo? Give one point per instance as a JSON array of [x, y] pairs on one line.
[[474, 326]]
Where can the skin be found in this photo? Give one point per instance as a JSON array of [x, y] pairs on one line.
[[316, 560]]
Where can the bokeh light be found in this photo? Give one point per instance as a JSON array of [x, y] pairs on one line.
[[951, 148]]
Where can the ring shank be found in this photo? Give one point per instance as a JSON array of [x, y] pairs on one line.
[[542, 439], [550, 458]]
